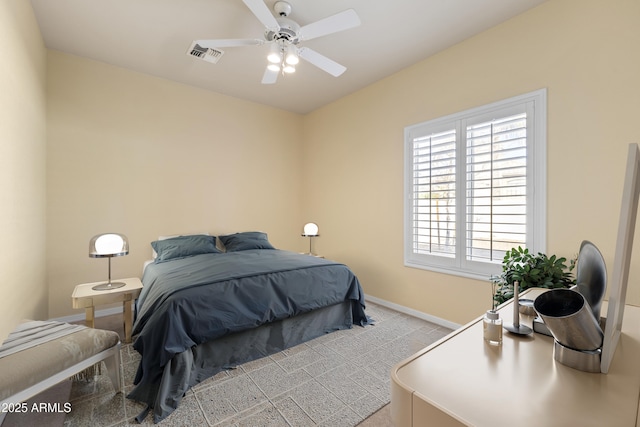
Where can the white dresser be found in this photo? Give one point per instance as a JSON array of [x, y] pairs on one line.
[[463, 381]]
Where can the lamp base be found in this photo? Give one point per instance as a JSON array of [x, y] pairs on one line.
[[107, 286], [518, 329]]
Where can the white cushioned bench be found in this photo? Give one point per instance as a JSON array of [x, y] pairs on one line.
[[26, 372]]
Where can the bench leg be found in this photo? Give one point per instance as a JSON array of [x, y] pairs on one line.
[[113, 368]]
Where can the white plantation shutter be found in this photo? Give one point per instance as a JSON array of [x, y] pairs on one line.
[[496, 219], [475, 184], [434, 194]]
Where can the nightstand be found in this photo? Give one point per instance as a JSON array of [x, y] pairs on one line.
[[310, 254], [85, 297]]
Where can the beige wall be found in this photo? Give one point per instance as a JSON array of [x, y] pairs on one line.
[[143, 156], [22, 167], [585, 52]]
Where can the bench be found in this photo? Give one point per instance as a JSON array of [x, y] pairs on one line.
[[26, 372]]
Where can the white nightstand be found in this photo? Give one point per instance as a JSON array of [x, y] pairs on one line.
[[85, 297], [314, 255]]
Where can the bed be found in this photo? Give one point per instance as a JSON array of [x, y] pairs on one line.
[[204, 309]]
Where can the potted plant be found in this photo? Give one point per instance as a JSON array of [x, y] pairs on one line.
[[531, 271]]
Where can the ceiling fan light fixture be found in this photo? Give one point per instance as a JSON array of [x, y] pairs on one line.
[[275, 56], [273, 67], [292, 56], [289, 69]]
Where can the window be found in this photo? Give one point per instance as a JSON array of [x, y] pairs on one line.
[[475, 185]]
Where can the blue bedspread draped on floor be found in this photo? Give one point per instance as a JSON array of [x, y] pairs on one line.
[[189, 301]]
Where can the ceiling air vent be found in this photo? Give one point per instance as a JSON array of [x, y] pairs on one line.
[[205, 53]]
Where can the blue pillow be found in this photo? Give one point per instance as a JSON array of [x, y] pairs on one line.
[[245, 241], [184, 246]]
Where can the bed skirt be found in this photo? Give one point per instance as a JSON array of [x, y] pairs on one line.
[[200, 362]]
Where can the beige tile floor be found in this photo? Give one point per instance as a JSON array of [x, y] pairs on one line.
[[381, 418]]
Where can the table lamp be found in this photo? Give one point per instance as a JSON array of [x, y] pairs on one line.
[[310, 230], [108, 246]]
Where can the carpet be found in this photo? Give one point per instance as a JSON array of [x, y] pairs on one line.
[[335, 380]]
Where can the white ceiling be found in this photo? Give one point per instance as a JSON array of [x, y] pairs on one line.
[[153, 36]]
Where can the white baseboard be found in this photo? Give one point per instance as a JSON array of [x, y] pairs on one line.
[[81, 316], [411, 312]]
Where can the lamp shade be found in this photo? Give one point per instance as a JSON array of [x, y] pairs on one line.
[[275, 55], [310, 229], [108, 245], [292, 56]]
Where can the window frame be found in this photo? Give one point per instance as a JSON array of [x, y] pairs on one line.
[[535, 104]]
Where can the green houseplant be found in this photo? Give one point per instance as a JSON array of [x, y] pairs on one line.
[[531, 271]]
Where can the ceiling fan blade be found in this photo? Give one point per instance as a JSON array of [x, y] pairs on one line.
[[210, 44], [321, 61], [262, 12], [269, 77], [332, 24]]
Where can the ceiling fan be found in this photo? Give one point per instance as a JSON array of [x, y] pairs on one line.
[[284, 36]]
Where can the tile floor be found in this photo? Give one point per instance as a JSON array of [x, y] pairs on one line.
[[339, 379]]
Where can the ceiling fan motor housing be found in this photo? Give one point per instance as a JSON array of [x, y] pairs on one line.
[[289, 30], [282, 8]]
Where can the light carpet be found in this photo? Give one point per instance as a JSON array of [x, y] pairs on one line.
[[335, 380]]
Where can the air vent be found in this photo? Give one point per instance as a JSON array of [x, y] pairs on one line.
[[205, 53]]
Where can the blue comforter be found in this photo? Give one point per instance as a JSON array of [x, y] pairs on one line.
[[192, 300]]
